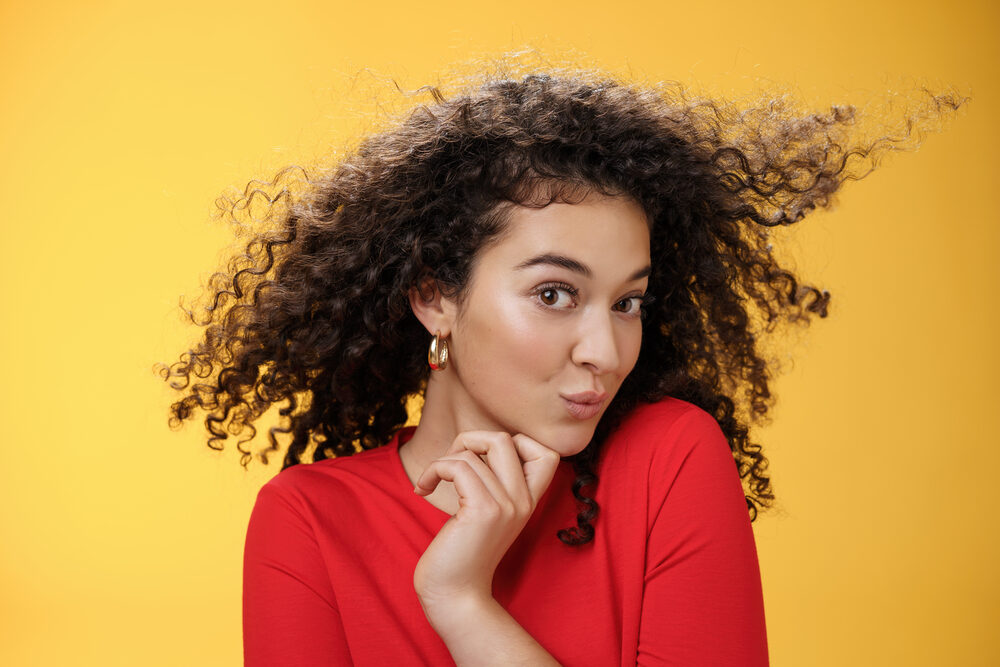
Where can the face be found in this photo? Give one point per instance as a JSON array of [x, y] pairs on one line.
[[550, 325]]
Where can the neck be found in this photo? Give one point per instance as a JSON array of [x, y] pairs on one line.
[[447, 411]]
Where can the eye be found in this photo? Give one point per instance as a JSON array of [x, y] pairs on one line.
[[556, 296], [631, 305]]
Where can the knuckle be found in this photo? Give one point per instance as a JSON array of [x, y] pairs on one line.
[[466, 456], [494, 439], [553, 456], [455, 466], [507, 508], [475, 441]]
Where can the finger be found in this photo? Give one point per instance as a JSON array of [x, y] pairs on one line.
[[502, 458], [539, 465], [469, 484], [486, 475]]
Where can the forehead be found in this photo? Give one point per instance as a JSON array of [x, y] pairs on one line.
[[604, 232]]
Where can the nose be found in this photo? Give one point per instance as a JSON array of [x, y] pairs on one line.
[[596, 346]]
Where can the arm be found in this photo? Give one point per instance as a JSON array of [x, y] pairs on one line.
[[453, 578], [290, 614], [481, 632], [703, 603]]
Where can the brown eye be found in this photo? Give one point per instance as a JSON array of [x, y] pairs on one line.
[[555, 297], [631, 305], [549, 297]]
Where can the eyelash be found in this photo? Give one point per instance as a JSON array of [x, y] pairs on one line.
[[645, 300]]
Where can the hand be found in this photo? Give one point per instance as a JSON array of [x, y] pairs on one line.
[[496, 498]]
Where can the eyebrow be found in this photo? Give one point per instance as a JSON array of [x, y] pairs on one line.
[[573, 265]]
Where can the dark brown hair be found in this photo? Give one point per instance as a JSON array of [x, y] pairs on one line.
[[313, 315]]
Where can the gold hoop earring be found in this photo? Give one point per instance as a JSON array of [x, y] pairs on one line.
[[437, 355]]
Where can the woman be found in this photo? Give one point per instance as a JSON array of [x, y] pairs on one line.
[[574, 275]]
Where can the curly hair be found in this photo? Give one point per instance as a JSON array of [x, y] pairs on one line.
[[313, 314]]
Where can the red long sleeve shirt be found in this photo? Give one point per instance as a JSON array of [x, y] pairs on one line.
[[671, 577]]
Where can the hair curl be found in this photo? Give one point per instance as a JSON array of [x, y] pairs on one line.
[[313, 313]]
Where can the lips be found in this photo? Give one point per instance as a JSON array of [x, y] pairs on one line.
[[584, 405]]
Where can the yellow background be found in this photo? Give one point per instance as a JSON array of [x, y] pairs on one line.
[[120, 123]]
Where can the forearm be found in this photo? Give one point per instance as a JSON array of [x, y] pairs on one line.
[[481, 632]]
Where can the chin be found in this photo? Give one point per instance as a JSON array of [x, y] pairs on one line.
[[567, 440]]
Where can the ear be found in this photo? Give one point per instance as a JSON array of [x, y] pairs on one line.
[[435, 311]]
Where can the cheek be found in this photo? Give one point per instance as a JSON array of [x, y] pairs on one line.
[[630, 346], [511, 341]]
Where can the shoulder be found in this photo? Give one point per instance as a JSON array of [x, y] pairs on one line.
[[307, 485], [681, 454], [670, 419], [331, 505], [666, 437]]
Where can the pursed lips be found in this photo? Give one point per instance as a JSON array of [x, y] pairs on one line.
[[585, 404]]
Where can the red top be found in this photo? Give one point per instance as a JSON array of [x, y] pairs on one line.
[[671, 576]]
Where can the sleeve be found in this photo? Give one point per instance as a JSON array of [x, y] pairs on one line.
[[290, 614], [702, 600]]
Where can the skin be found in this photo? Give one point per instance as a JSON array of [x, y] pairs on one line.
[[552, 310]]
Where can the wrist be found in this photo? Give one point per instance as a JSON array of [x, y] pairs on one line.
[[453, 612], [478, 631]]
